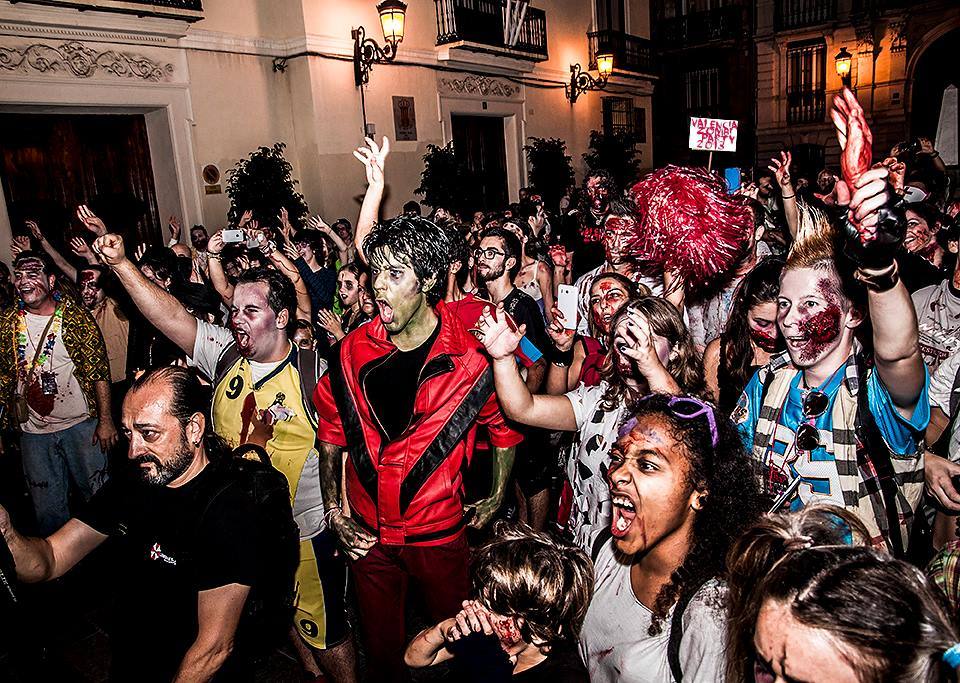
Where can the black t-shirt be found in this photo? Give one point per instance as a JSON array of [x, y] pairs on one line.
[[917, 272], [391, 386], [574, 228], [525, 311], [174, 543], [561, 666]]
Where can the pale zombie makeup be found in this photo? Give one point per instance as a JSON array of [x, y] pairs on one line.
[[367, 303], [31, 281], [599, 195], [815, 323], [91, 293], [397, 290], [607, 297], [619, 235], [762, 323], [252, 321], [348, 289]]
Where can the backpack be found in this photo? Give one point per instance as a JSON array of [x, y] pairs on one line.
[[268, 612], [676, 621]]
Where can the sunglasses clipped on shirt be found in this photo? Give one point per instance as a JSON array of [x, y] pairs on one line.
[[807, 436]]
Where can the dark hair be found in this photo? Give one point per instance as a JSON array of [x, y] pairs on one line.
[[281, 296], [511, 247], [760, 285], [413, 207], [733, 500], [886, 619], [101, 270], [757, 551], [162, 261], [29, 255], [527, 574], [459, 253], [686, 367], [188, 396], [629, 286], [418, 243]]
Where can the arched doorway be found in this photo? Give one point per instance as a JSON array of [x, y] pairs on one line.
[[935, 69]]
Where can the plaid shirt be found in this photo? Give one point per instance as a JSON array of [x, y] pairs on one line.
[[856, 469], [84, 345]]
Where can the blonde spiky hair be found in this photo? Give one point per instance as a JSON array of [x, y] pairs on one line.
[[815, 241]]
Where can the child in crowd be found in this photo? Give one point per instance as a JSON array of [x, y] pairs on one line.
[[532, 595]]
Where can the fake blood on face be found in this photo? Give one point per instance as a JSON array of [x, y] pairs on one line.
[[820, 329]]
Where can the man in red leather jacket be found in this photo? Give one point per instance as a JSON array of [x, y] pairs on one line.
[[404, 396]]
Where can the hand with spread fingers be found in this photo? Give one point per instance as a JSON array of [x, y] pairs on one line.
[[496, 335], [91, 221], [373, 157]]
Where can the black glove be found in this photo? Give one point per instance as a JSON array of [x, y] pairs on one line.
[[891, 228]]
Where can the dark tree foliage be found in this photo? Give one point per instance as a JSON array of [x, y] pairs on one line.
[[551, 172], [615, 153], [263, 183], [446, 181]]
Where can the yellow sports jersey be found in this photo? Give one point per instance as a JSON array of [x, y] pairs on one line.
[[274, 413]]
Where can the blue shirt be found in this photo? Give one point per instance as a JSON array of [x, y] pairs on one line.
[[818, 469]]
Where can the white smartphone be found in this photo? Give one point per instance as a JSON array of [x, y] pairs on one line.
[[567, 304], [230, 236]]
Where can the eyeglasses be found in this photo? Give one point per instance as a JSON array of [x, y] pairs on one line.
[[488, 254], [687, 408], [807, 436]]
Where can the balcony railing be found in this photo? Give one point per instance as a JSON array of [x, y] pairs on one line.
[[482, 21], [789, 14], [806, 106], [697, 28], [190, 10], [630, 53]]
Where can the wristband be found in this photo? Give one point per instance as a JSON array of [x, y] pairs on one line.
[[883, 281], [215, 257], [788, 196], [328, 515]]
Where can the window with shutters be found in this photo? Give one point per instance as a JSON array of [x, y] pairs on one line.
[[621, 116]]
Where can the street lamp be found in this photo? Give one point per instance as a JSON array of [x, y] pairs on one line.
[[366, 51], [843, 61], [581, 81]]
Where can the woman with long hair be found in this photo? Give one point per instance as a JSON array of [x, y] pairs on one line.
[[682, 490], [535, 277], [754, 555], [351, 280], [579, 358], [852, 615], [650, 351], [750, 337]]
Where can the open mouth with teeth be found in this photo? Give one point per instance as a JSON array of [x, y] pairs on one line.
[[242, 339], [624, 514]]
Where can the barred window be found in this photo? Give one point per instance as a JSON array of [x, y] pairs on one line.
[[806, 81], [621, 116], [702, 89]]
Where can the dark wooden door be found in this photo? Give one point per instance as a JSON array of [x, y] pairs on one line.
[[479, 144], [49, 164]]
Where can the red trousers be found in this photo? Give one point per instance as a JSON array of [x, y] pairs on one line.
[[381, 579]]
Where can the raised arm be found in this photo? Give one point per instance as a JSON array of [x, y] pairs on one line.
[[373, 158], [343, 249], [781, 170], [218, 278], [875, 231], [536, 410], [159, 307], [286, 266], [57, 258]]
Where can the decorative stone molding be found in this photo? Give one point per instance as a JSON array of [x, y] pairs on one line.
[[82, 62], [898, 36], [480, 86]]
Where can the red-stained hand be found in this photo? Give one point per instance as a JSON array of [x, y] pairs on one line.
[[854, 135]]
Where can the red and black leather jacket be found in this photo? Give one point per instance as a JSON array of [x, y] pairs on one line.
[[409, 491]]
